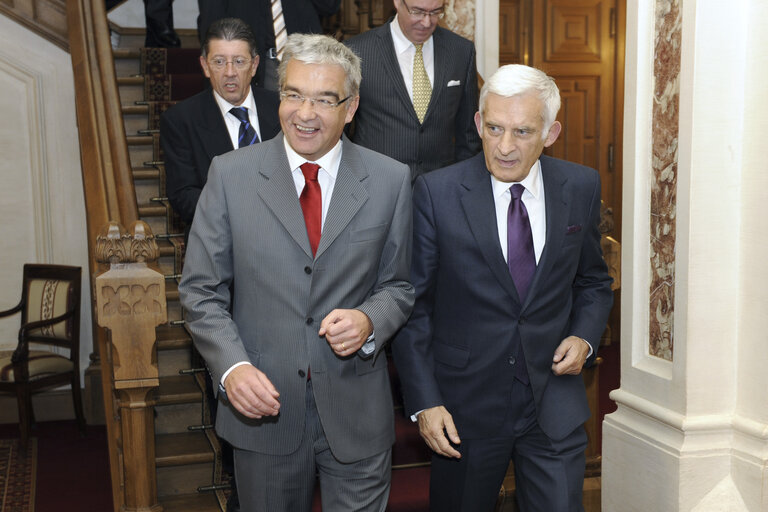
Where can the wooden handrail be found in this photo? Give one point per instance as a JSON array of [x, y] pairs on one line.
[[107, 180]]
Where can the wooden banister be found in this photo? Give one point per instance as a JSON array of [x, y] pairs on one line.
[[130, 302]]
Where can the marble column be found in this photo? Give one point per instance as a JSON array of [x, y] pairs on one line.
[[691, 429]]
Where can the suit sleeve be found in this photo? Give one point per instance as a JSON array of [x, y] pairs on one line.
[[391, 300], [467, 138], [592, 294], [182, 178], [412, 348], [206, 282]]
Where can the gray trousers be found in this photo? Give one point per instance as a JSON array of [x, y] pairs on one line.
[[286, 483]]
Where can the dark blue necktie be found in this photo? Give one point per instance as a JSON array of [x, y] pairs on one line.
[[520, 256], [247, 135]]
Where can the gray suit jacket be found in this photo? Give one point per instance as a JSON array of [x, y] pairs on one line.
[[249, 228], [385, 120]]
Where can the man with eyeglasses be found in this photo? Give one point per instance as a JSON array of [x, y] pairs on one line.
[[229, 115], [315, 232], [419, 90]]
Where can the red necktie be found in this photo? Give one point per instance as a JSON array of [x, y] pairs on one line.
[[311, 200]]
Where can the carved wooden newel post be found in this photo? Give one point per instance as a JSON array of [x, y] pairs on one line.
[[130, 302]]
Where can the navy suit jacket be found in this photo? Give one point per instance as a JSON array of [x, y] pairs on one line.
[[468, 321], [386, 122], [192, 132]]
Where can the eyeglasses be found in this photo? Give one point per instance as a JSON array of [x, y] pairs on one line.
[[421, 13], [297, 100], [220, 63]]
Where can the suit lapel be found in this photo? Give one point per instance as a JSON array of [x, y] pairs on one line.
[[388, 58], [556, 205], [349, 195], [215, 134], [478, 205], [442, 61], [279, 192]]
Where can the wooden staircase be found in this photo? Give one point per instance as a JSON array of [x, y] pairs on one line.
[[188, 466]]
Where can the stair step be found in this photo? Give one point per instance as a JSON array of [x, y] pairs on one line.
[[140, 140], [182, 449], [152, 210], [126, 53], [146, 173], [165, 247], [200, 502], [171, 290], [178, 389], [135, 109], [171, 337], [130, 80]]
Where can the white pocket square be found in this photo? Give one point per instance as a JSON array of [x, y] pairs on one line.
[[454, 83]]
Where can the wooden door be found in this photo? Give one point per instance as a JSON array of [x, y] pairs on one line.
[[577, 42]]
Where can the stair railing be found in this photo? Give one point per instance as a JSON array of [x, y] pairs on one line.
[[130, 302], [109, 196]]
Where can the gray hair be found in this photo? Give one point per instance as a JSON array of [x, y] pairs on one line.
[[517, 79], [321, 49], [229, 29]]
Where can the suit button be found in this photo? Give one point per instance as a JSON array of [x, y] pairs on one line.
[[307, 270], [309, 321], [521, 320], [302, 374], [512, 360]]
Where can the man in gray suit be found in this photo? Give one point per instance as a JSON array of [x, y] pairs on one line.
[[418, 97], [315, 231]]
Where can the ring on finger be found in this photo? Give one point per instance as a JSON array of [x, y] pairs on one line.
[[343, 347]]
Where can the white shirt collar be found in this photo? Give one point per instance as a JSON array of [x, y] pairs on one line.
[[532, 182], [329, 161], [226, 106], [401, 42]]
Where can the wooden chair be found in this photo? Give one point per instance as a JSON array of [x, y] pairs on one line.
[[50, 317]]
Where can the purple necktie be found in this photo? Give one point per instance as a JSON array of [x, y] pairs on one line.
[[520, 256]]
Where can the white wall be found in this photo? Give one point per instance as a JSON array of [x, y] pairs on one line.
[[42, 209], [692, 434]]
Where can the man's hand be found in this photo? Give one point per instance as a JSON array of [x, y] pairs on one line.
[[434, 424], [251, 392], [570, 356], [346, 330]]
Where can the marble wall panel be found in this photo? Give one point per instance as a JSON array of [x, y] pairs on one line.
[[460, 17], [666, 102]]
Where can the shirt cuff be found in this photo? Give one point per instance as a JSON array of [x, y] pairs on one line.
[[222, 389], [369, 347]]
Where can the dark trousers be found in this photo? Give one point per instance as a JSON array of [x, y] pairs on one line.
[[549, 474]]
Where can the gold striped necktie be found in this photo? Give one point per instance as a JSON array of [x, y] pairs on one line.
[[422, 89]]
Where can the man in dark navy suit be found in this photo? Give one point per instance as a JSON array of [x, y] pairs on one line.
[[512, 296], [211, 122]]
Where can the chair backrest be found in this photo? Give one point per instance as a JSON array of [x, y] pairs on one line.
[[50, 291]]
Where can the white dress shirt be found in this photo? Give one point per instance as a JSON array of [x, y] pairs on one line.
[[326, 176], [533, 199], [233, 123], [405, 51]]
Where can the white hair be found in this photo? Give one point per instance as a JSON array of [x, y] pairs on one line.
[[517, 79]]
